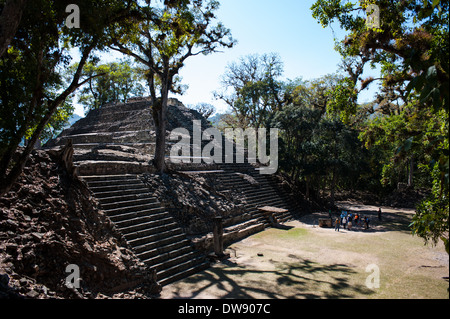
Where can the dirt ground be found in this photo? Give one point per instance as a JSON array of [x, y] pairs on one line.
[[301, 260]]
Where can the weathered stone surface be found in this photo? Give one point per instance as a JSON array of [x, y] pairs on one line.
[[50, 220], [193, 199]]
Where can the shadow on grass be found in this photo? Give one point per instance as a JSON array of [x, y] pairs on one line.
[[300, 279]]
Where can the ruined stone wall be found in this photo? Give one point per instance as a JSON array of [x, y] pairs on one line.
[[193, 200]]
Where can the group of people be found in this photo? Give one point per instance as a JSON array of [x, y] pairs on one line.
[[348, 220]]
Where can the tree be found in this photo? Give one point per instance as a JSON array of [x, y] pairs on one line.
[[11, 14], [205, 109], [31, 76], [297, 123], [411, 46], [161, 40], [252, 89], [58, 121], [117, 81]]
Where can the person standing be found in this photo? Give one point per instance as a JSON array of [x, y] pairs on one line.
[[344, 221], [337, 224], [366, 222], [379, 214]]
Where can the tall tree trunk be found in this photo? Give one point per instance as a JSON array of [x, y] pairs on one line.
[[7, 181], [9, 22], [160, 148], [411, 171], [333, 185], [293, 173], [308, 182], [159, 116]]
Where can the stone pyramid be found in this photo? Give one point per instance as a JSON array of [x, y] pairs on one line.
[[120, 137], [113, 149]]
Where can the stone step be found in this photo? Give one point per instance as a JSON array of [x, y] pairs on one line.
[[253, 208], [125, 203], [235, 182], [110, 127], [126, 195], [255, 198], [131, 221], [160, 242], [97, 137], [149, 146], [118, 187], [112, 182], [93, 167], [137, 242], [131, 209], [109, 137], [202, 265], [108, 156], [114, 194], [167, 259], [173, 262], [96, 178], [162, 248], [258, 191], [182, 270], [142, 225], [119, 116], [151, 231], [136, 213]]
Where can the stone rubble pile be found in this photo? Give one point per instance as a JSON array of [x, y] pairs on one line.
[[193, 199], [49, 221]]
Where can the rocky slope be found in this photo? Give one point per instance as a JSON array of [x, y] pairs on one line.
[[50, 220]]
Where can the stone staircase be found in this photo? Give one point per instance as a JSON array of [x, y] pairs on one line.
[[150, 231], [258, 191]]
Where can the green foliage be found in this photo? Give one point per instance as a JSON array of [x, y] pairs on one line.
[[162, 37], [412, 48], [34, 94], [298, 153], [56, 124], [342, 99], [27, 79], [431, 219], [114, 81], [318, 148], [252, 88]]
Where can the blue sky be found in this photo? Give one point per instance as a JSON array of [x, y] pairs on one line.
[[285, 27]]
